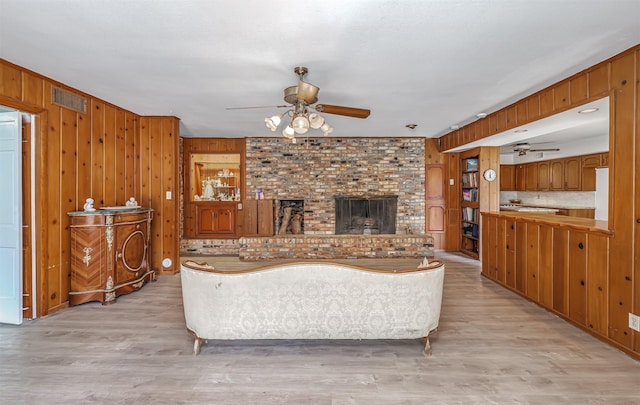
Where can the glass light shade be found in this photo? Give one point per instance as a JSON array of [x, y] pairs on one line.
[[288, 132], [326, 129], [315, 120], [300, 124], [273, 122]]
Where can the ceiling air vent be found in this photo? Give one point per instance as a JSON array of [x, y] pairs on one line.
[[69, 100]]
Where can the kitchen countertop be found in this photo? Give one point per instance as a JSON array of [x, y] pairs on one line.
[[577, 223], [555, 206]]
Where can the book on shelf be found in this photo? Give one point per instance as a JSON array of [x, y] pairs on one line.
[[470, 194], [470, 179], [470, 214]]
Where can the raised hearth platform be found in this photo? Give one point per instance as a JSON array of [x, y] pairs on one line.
[[335, 247]]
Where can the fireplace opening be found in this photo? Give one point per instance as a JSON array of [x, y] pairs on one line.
[[368, 216]]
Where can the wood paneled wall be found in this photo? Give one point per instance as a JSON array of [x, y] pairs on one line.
[[618, 78], [99, 155]]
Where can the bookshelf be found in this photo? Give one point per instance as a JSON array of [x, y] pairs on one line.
[[470, 206], [476, 195]]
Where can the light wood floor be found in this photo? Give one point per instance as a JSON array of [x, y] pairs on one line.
[[493, 347]]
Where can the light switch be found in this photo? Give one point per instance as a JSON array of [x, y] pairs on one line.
[[168, 195], [451, 182]]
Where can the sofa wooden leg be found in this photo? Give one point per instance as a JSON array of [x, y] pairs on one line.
[[197, 344], [427, 346]]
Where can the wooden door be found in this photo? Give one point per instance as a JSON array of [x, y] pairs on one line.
[[545, 266], [131, 248], [597, 283], [507, 178], [556, 175], [224, 220], [578, 277], [572, 173], [531, 174], [589, 164], [543, 176], [510, 255], [560, 264], [521, 249], [531, 269], [521, 178]]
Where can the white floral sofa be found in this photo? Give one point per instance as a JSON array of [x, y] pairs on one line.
[[311, 300]]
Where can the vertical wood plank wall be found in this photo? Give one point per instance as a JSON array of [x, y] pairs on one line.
[[618, 78], [98, 154]]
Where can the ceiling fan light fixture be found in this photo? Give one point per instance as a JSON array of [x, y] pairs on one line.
[[588, 110], [300, 124], [315, 120], [273, 122], [326, 129], [289, 132]]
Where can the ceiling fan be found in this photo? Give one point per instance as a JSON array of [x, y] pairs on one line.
[[301, 100], [523, 148]]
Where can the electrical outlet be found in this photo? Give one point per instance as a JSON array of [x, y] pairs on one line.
[[634, 322]]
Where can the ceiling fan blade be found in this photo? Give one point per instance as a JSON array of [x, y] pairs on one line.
[[545, 150], [346, 111], [261, 106]]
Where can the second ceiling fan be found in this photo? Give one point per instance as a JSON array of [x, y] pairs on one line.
[[524, 147]]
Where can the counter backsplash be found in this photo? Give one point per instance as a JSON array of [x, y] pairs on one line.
[[556, 199]]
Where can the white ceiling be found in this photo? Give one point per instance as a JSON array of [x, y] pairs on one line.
[[434, 63]]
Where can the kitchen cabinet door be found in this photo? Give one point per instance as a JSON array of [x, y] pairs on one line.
[[572, 174], [531, 174], [543, 176], [532, 275], [510, 255], [521, 178], [578, 277], [545, 266], [507, 178], [556, 175], [597, 286]]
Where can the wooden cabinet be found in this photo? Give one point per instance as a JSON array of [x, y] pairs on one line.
[[259, 217], [531, 177], [569, 174], [556, 175], [109, 254], [577, 277], [563, 266], [572, 173], [215, 218], [543, 176], [589, 165], [507, 178], [521, 178]]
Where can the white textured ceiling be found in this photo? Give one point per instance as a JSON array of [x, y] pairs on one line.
[[434, 63]]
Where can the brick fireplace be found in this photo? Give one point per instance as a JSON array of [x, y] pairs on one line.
[[385, 175]]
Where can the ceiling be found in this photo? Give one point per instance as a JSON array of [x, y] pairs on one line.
[[434, 63]]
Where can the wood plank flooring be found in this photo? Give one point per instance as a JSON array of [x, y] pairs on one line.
[[493, 347]]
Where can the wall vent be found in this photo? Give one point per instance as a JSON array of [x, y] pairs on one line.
[[67, 99]]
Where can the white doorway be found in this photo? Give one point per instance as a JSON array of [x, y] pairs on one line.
[[11, 218]]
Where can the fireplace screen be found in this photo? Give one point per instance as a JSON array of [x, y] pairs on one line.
[[373, 215]]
